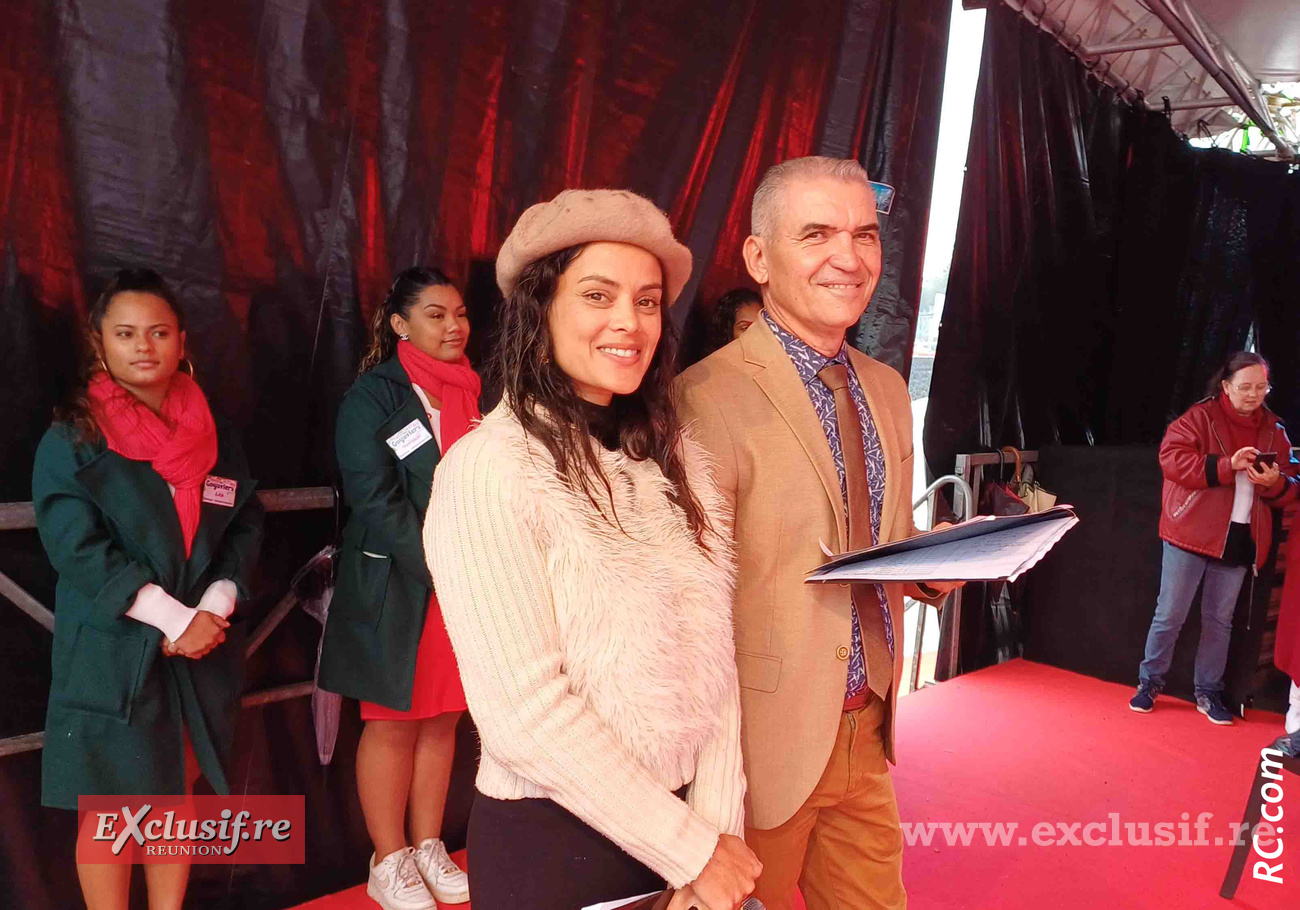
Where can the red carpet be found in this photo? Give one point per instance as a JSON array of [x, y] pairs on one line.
[[1026, 743], [1023, 743]]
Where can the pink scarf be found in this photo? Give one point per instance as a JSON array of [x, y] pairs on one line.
[[181, 444], [456, 385]]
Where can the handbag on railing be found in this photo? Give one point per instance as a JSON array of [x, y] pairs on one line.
[[998, 497], [1031, 492]]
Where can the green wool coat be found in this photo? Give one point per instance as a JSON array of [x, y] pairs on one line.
[[377, 614], [119, 709]]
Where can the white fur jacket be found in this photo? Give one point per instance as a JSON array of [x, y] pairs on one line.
[[598, 663]]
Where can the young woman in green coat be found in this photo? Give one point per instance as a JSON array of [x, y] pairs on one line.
[[385, 642], [146, 510]]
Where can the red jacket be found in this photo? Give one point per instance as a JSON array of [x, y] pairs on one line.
[[1286, 647], [1196, 506]]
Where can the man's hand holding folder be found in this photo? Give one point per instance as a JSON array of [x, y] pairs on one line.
[[940, 588]]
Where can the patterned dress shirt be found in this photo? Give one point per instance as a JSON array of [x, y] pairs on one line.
[[809, 362]]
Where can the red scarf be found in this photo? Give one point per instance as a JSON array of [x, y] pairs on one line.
[[456, 385], [181, 444], [1242, 431]]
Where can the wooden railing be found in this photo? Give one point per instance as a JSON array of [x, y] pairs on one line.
[[16, 516]]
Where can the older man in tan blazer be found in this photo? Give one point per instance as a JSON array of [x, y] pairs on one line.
[[813, 446]]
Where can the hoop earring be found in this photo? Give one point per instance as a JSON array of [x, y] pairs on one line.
[[189, 363]]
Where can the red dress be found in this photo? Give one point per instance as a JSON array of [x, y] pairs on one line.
[[436, 689]]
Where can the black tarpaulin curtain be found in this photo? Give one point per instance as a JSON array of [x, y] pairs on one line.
[[280, 160], [1103, 269]]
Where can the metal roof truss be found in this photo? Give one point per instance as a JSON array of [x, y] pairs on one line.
[[1152, 50]]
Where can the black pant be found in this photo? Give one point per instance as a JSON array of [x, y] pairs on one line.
[[535, 854]]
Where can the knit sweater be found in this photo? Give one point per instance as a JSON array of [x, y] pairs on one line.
[[598, 663]]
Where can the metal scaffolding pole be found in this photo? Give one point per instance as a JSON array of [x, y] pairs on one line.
[[1185, 29], [1165, 10]]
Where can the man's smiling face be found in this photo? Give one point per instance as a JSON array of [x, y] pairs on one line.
[[821, 263]]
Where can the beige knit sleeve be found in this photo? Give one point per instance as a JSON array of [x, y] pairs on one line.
[[718, 792], [489, 572]]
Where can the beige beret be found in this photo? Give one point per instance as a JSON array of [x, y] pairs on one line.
[[588, 216]]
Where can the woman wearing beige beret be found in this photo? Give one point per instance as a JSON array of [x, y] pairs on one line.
[[585, 577]]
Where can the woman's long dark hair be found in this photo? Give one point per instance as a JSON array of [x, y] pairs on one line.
[[405, 290], [548, 407], [722, 320], [76, 409], [1234, 364]]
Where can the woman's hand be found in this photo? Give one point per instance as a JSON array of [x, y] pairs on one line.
[[1244, 458], [206, 631], [687, 899], [728, 878], [1266, 475]]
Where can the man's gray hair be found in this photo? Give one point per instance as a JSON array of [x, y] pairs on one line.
[[767, 198]]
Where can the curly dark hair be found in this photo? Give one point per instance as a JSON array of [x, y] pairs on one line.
[[405, 290], [76, 411], [722, 318], [549, 408]]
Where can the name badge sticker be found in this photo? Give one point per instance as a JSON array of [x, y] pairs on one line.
[[884, 197], [409, 438], [220, 491]]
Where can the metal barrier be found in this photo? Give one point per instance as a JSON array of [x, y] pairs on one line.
[[967, 511], [16, 516], [970, 468]]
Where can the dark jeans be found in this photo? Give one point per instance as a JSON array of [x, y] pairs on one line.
[[535, 854], [1180, 575]]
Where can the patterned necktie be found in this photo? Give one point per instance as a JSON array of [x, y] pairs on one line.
[[880, 663]]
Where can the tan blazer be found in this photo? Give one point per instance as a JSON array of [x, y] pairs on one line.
[[749, 408]]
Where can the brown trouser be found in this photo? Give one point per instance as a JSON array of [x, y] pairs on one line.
[[844, 846]]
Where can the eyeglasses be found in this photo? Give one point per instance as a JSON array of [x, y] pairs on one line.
[[1247, 389]]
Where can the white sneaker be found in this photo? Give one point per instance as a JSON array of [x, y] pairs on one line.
[[395, 884], [445, 879]]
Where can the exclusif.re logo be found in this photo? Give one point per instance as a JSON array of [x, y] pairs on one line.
[[212, 829]]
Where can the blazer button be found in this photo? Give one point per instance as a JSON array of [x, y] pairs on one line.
[[842, 652]]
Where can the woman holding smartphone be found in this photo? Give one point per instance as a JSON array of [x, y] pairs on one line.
[[146, 510], [1227, 464]]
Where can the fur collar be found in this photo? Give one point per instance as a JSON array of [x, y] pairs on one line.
[[644, 613]]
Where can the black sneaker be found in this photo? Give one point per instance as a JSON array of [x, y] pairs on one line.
[[1211, 705], [1145, 699]]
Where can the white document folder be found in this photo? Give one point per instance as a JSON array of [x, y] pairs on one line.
[[661, 898], [982, 549]]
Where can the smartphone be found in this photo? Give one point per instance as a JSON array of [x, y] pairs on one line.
[[1265, 458]]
